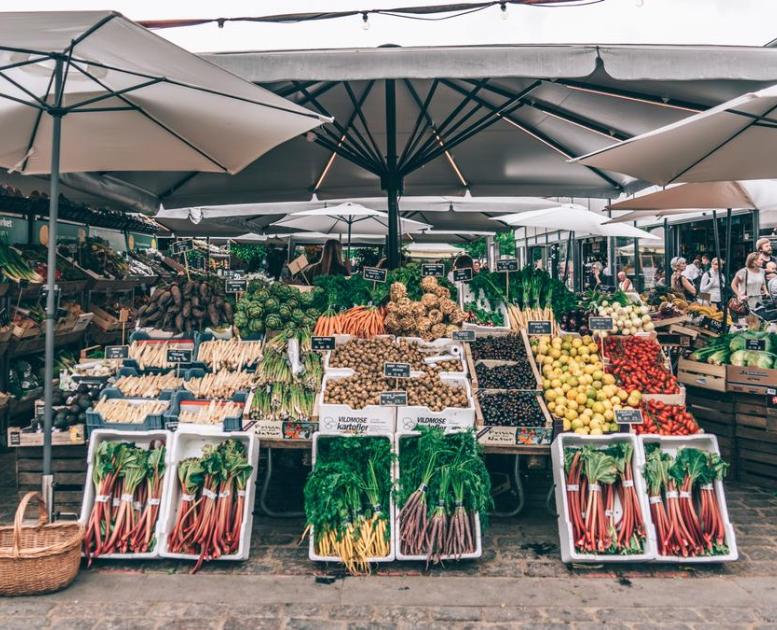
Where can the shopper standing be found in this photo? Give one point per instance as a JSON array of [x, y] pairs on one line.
[[680, 282], [692, 271], [710, 282], [763, 248], [749, 283], [771, 279], [624, 284], [705, 263]]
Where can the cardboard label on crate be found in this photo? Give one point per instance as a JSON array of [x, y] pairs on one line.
[[322, 343], [755, 344], [393, 399], [539, 327], [463, 335], [182, 246], [235, 285], [374, 274], [433, 269], [179, 355], [116, 352], [497, 436], [507, 264], [349, 424], [396, 370], [713, 325], [285, 429], [628, 416], [462, 275], [600, 323]]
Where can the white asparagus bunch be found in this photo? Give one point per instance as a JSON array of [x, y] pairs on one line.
[[148, 385], [154, 353], [230, 354], [214, 412], [129, 411], [220, 385]]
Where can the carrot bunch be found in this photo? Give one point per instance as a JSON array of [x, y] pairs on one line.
[[359, 321]]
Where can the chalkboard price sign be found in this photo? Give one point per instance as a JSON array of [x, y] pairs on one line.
[[235, 285], [396, 370], [755, 344], [628, 416], [600, 323], [393, 399], [179, 355], [184, 245], [463, 335], [374, 274], [433, 269], [507, 264], [116, 352], [540, 327], [713, 325], [462, 275], [322, 343]]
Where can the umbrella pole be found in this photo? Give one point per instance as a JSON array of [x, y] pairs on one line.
[[667, 251], [392, 178], [350, 223], [724, 288], [566, 258], [47, 479]]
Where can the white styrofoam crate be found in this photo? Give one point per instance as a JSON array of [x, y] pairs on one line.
[[478, 533], [188, 442], [567, 543], [141, 439], [449, 419], [315, 557], [705, 442], [343, 419], [441, 346]]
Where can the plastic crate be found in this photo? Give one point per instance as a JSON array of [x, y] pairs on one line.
[[139, 438], [230, 424], [705, 442], [478, 533], [567, 543], [315, 557], [94, 420], [189, 443]]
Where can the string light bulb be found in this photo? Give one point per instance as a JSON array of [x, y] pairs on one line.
[[365, 22], [503, 8]]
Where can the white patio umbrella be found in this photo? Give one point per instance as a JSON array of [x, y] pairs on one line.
[[343, 218], [433, 250], [93, 91], [733, 141]]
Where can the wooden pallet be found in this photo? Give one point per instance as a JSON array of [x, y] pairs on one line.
[[68, 464]]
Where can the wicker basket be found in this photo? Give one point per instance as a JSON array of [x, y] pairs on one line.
[[38, 558]]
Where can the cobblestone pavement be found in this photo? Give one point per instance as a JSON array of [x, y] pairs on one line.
[[519, 582]]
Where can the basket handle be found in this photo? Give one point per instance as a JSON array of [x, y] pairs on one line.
[[43, 518]]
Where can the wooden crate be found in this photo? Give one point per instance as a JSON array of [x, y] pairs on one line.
[[68, 464], [752, 380], [702, 375], [757, 456]]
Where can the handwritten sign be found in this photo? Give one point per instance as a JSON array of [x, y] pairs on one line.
[[713, 325], [433, 269], [463, 335], [116, 352], [374, 274], [539, 327], [322, 343], [600, 323], [235, 285], [182, 246], [507, 264], [755, 344], [179, 355], [629, 416], [462, 275], [393, 399], [396, 370]]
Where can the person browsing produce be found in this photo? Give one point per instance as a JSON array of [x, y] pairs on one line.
[[624, 284], [749, 283], [710, 282], [331, 262], [680, 282]]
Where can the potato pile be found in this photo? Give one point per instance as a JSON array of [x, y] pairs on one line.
[[435, 315], [367, 356]]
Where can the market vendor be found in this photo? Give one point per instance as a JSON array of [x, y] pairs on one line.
[[330, 264]]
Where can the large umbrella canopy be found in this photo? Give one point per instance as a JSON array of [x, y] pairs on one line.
[[130, 89], [647, 216], [758, 194], [345, 218], [734, 140], [573, 218], [93, 91], [433, 250]]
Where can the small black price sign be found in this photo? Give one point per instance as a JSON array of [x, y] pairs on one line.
[[374, 274], [44, 296], [600, 323], [116, 352], [713, 325], [182, 246], [322, 343], [462, 275], [179, 355], [433, 269], [507, 264], [393, 399], [396, 370], [235, 285], [539, 327], [755, 344], [628, 416], [463, 335]]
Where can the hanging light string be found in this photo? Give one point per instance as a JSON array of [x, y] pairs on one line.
[[422, 13]]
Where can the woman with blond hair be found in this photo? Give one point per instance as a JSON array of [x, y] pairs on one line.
[[749, 283], [680, 282]]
